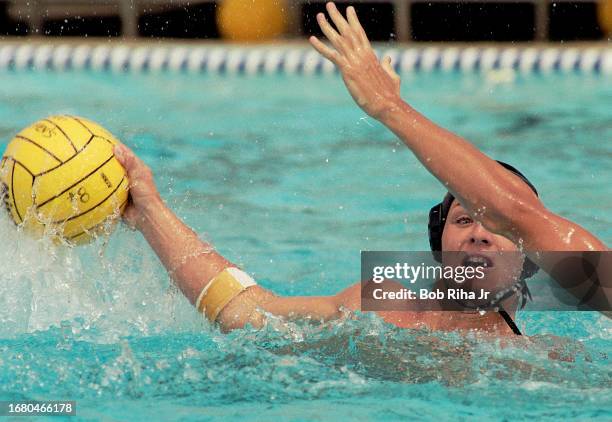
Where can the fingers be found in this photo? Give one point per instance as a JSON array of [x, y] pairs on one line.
[[130, 217], [331, 34], [134, 166], [329, 53], [354, 23], [348, 36], [386, 64], [389, 70], [388, 67], [124, 155], [337, 18]]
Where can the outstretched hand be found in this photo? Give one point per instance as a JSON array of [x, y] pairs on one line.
[[374, 85], [143, 191]]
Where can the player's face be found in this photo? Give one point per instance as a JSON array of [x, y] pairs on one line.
[[480, 247]]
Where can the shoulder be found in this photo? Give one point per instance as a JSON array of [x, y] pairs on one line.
[[353, 294], [351, 298]]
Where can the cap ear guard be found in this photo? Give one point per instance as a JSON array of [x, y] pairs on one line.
[[529, 269], [436, 227], [437, 220]]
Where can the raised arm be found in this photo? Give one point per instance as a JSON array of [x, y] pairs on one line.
[[193, 263], [492, 195]]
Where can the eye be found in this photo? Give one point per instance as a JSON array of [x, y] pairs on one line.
[[463, 220]]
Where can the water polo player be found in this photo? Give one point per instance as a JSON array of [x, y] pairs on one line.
[[490, 207]]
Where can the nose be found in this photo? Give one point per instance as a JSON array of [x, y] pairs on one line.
[[480, 235]]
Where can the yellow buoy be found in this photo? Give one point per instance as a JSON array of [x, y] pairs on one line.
[[60, 177], [252, 20], [604, 15]]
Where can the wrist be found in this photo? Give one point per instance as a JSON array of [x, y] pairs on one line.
[[148, 211], [393, 110]]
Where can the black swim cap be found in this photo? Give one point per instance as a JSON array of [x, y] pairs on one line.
[[437, 220]]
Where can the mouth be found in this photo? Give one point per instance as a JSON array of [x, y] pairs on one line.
[[476, 260]]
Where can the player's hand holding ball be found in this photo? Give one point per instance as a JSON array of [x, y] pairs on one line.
[[143, 192]]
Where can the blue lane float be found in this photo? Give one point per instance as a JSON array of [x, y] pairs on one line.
[[297, 60]]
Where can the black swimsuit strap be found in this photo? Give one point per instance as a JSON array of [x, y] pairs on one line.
[[510, 322]]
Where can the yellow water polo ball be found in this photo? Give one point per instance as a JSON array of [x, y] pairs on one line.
[[59, 177], [252, 20], [604, 15]]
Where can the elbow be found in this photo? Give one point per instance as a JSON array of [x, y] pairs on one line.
[[240, 313], [239, 321]]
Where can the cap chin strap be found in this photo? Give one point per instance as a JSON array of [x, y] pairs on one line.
[[495, 304], [510, 322]]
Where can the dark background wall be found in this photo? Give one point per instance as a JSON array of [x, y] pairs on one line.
[[437, 21]]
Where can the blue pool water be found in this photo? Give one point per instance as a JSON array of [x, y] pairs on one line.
[[290, 180]]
